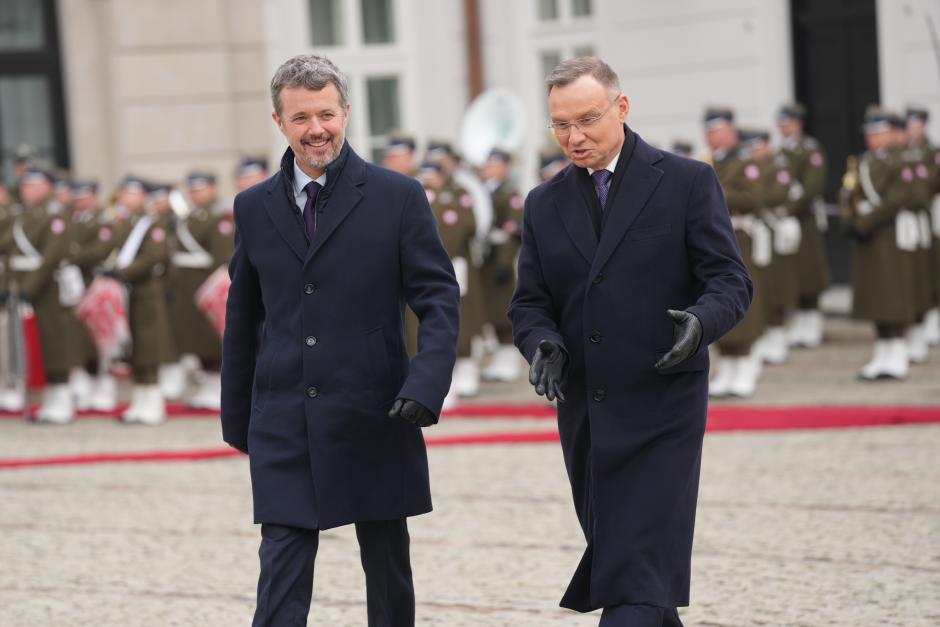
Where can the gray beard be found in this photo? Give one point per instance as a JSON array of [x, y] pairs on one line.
[[319, 165]]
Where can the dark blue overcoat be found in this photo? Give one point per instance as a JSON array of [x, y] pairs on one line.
[[631, 436], [314, 353]]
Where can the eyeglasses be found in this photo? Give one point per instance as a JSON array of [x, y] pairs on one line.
[[564, 128]]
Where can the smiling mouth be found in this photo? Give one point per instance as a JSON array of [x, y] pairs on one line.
[[320, 143]]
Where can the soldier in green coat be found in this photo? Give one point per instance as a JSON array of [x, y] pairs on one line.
[[807, 160], [885, 235], [499, 266], [38, 244], [11, 385], [740, 366], [141, 264], [917, 119]]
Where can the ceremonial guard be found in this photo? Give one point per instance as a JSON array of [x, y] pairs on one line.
[[917, 119], [551, 162], [782, 275], [461, 190], [877, 191], [739, 367], [11, 383], [499, 265], [807, 161], [38, 245], [457, 226], [193, 262], [141, 264], [250, 171]]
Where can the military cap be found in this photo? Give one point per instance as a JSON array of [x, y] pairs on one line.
[[36, 172], [199, 178], [430, 167], [158, 190], [753, 136], [498, 154], [791, 111], [438, 149], [251, 165], [896, 120], [62, 180], [877, 120], [917, 113], [400, 143], [549, 159], [132, 183], [681, 147], [82, 188], [718, 116]]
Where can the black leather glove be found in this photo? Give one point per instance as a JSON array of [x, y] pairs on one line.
[[412, 411], [547, 370], [687, 337]]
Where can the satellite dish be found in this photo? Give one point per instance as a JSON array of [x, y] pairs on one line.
[[495, 119]]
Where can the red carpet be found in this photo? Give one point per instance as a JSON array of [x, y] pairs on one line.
[[720, 418]]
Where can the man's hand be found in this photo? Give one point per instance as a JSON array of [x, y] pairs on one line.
[[547, 370], [688, 336], [412, 411]]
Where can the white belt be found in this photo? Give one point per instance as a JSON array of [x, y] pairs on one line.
[[22, 263], [192, 260]]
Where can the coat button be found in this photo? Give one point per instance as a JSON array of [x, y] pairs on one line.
[[310, 340], [309, 288], [596, 337], [599, 395], [597, 280], [312, 392]]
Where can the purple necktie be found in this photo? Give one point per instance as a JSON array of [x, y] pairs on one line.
[[601, 178], [310, 213]]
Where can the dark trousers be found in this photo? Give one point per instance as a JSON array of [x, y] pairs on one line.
[[285, 585], [630, 615]]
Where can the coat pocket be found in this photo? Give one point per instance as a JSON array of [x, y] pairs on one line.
[[383, 386], [649, 233]]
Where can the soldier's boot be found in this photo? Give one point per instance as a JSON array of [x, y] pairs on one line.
[[504, 366], [152, 409], [774, 348], [872, 369], [132, 413], [917, 347], [813, 328], [12, 399], [56, 406], [932, 327], [172, 379], [80, 385], [896, 361], [724, 374], [209, 394], [466, 377], [104, 397], [745, 377], [796, 329]]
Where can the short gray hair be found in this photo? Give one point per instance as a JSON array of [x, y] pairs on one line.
[[571, 70], [309, 71]]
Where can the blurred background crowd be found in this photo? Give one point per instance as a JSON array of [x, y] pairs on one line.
[[126, 128]]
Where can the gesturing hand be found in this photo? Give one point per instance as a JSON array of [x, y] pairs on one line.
[[412, 411], [688, 335], [547, 369]]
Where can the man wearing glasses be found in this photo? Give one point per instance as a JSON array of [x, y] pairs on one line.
[[629, 268]]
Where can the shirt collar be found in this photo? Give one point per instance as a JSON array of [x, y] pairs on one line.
[[301, 179], [610, 166]]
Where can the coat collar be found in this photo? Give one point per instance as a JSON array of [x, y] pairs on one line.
[[344, 178]]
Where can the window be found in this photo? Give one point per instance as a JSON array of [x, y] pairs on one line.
[[384, 111], [32, 107], [549, 60], [326, 25], [580, 8], [378, 22], [548, 9]]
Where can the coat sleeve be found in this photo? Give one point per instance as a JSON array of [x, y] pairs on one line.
[[152, 251], [899, 193], [715, 259], [244, 315], [532, 309], [430, 289]]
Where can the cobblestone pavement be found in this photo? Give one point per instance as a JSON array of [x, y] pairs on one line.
[[834, 527]]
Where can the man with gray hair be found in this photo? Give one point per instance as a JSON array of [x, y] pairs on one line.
[[629, 268], [317, 387]]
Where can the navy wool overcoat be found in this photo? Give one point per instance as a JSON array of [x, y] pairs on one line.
[[314, 353], [631, 436]]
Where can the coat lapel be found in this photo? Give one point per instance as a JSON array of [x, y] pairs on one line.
[[575, 214], [639, 181], [281, 210], [343, 197]]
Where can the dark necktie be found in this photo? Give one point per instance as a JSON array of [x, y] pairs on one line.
[[601, 179], [310, 212]]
